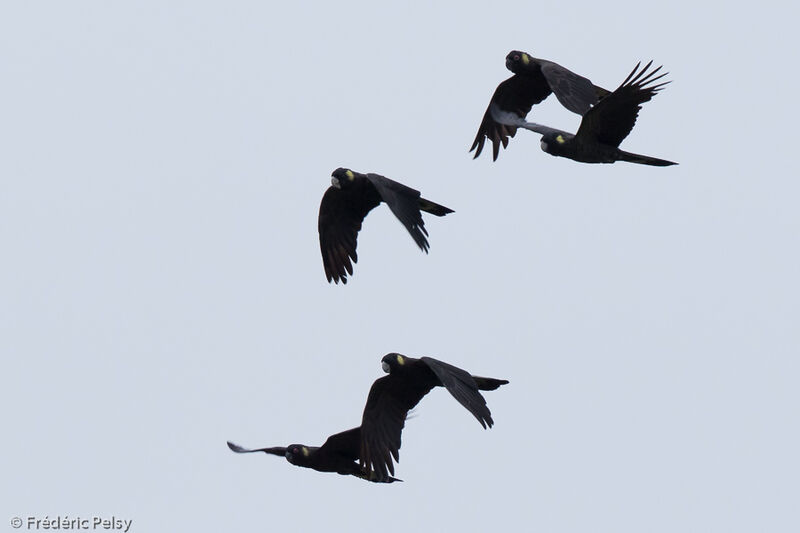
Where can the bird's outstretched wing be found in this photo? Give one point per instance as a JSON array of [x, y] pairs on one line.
[[575, 92], [460, 384], [513, 96], [390, 398], [341, 213], [404, 203], [613, 118], [277, 450]]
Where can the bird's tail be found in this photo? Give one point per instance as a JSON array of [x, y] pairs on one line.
[[488, 383], [434, 208], [644, 159]]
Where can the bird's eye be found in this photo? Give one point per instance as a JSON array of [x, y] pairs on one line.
[[516, 57]]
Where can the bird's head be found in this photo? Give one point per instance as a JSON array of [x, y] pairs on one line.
[[517, 61], [341, 178], [295, 453], [392, 361], [552, 143]]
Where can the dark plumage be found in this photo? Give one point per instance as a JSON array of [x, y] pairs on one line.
[[339, 454], [344, 206], [392, 396], [533, 81], [604, 126], [367, 451]]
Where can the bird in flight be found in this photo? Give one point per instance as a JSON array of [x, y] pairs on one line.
[[348, 200], [367, 451], [391, 397], [533, 81], [603, 127], [338, 454]]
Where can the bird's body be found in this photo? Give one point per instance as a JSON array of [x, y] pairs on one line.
[[338, 454], [391, 397], [603, 127], [597, 153], [349, 199], [533, 81]]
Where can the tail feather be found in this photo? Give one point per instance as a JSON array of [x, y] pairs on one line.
[[644, 159], [434, 208], [488, 383]]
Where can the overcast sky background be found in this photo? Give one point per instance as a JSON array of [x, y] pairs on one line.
[[162, 291]]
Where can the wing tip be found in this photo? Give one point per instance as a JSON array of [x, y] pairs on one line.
[[235, 447]]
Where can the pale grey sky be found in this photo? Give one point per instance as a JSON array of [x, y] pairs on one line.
[[161, 289]]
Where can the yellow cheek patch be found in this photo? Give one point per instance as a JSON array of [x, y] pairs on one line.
[[526, 59], [400, 360], [305, 451], [350, 175], [560, 139]]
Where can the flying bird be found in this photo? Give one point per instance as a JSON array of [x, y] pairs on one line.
[[603, 127], [533, 81], [366, 451], [391, 397], [348, 200], [340, 454]]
